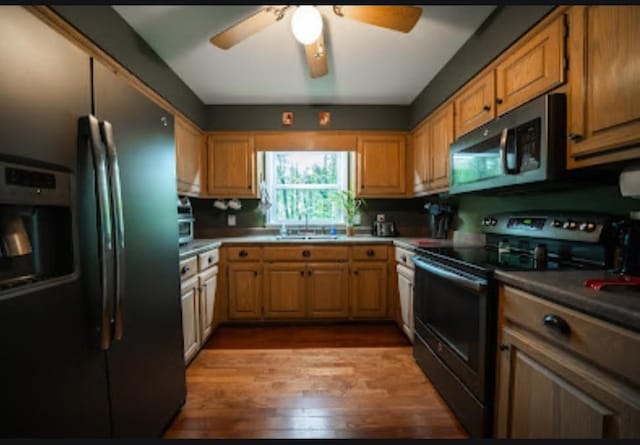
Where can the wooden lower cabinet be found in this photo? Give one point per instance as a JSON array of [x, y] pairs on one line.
[[328, 290], [580, 381], [190, 322], [405, 292], [368, 289], [208, 286], [284, 290], [245, 291]]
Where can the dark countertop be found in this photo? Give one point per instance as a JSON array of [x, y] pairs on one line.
[[200, 245], [620, 306]]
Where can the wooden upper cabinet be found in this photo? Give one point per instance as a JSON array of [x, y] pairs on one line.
[[604, 99], [231, 166], [475, 104], [190, 145], [380, 165], [420, 146], [535, 66], [441, 124]]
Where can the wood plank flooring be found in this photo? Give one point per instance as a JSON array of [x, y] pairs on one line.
[[362, 384]]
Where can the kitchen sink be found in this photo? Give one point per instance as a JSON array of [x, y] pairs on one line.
[[308, 237]]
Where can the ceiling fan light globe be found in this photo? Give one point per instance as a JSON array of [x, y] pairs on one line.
[[306, 24]]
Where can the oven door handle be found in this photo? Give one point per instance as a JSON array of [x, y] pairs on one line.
[[476, 284]]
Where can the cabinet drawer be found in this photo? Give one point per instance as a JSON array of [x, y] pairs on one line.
[[605, 344], [208, 259], [306, 253], [403, 256], [188, 267], [240, 253], [364, 253]]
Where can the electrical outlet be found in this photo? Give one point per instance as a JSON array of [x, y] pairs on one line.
[[231, 220], [380, 217]]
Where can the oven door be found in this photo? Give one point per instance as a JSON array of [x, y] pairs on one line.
[[451, 316]]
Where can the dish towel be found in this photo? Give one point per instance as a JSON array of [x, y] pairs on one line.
[[265, 199]]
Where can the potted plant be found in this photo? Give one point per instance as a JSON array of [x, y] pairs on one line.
[[350, 205]]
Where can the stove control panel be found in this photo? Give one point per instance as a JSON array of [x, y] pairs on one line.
[[585, 227]]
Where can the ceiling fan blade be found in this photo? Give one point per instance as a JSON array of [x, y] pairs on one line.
[[317, 57], [398, 18], [248, 27]]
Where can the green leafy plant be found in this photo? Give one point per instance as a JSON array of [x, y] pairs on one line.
[[350, 204]]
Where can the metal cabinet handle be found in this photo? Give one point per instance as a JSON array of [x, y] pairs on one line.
[[575, 137], [404, 258], [306, 253], [371, 252], [499, 101], [243, 253], [302, 273], [486, 108], [504, 347], [210, 259], [185, 270], [309, 273], [255, 273], [355, 272], [556, 323]]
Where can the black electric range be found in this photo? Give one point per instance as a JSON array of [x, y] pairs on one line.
[[455, 298]]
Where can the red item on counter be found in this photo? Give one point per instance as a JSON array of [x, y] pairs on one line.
[[618, 280], [427, 242]]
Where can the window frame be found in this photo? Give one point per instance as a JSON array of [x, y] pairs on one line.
[[342, 183]]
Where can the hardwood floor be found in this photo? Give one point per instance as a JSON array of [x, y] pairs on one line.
[[361, 385]]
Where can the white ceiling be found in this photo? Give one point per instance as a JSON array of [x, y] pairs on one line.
[[367, 64]]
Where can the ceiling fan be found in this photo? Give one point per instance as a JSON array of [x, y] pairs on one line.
[[306, 25]]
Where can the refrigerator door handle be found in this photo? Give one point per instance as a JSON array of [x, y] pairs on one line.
[[106, 131], [92, 130]]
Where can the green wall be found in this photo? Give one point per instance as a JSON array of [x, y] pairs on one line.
[[599, 198], [343, 117]]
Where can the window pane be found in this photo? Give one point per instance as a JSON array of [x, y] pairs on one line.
[[304, 183], [291, 205], [306, 168]]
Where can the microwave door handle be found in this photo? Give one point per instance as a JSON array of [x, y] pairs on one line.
[[89, 126], [106, 130], [503, 150]]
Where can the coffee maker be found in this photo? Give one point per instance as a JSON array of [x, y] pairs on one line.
[[440, 216], [630, 252]]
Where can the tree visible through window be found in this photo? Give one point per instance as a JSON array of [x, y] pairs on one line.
[[303, 184]]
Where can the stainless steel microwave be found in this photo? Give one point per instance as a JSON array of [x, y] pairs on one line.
[[526, 145]]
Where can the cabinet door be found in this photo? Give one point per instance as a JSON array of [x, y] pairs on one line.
[[190, 322], [441, 137], [533, 68], [369, 290], [208, 285], [231, 166], [544, 392], [604, 99], [190, 143], [284, 290], [328, 290], [380, 165], [420, 145], [405, 291], [475, 105], [245, 291]]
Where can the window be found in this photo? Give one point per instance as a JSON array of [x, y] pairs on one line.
[[304, 184]]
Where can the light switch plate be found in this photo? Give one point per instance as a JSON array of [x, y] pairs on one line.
[[231, 220]]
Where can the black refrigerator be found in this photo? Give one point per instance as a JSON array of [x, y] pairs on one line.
[[100, 354]]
